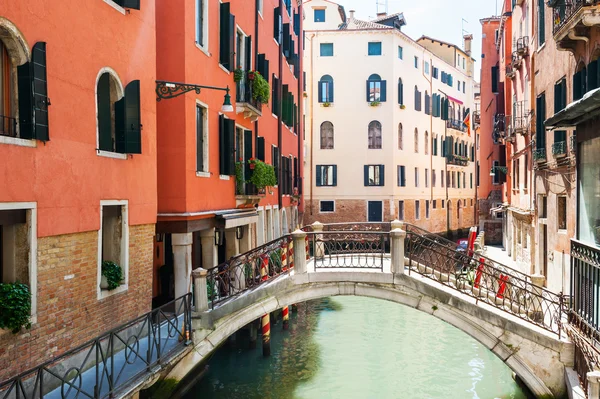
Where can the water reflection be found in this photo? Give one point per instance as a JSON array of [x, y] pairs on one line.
[[351, 347]]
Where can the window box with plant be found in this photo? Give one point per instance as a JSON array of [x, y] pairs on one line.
[[261, 90], [15, 306], [326, 104], [375, 103], [402, 106], [263, 175], [112, 276]]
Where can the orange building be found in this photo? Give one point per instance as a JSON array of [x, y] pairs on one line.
[[78, 173], [207, 212]]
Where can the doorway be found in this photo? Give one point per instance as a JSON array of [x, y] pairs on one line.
[[375, 211], [544, 252]]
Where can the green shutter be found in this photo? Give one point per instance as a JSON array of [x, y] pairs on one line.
[[541, 22], [287, 41], [366, 175], [226, 146], [227, 37], [319, 176], [382, 175], [104, 118], [247, 153], [134, 4], [276, 162], [335, 175], [24, 77], [260, 148], [383, 96], [40, 92], [133, 120], [277, 25]]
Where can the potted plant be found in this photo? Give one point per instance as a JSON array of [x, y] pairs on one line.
[[327, 104], [263, 175], [251, 75], [375, 103], [112, 275], [402, 106], [238, 74], [15, 306], [261, 91]]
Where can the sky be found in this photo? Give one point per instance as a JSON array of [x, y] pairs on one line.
[[440, 19]]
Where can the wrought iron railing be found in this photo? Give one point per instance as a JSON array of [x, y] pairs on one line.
[[456, 124], [349, 249], [458, 160], [109, 363], [559, 148], [249, 270], [485, 280], [539, 154], [565, 10], [516, 60], [245, 92], [510, 71], [584, 310], [523, 45], [8, 126], [573, 143]]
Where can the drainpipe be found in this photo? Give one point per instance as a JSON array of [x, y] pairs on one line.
[[279, 119], [448, 215], [301, 127], [312, 108], [430, 80], [256, 4]]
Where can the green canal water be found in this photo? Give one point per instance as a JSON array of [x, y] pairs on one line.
[[352, 347]]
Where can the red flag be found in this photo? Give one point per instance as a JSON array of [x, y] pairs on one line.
[[467, 123]]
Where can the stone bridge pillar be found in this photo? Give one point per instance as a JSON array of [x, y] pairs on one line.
[[397, 248], [200, 290], [299, 238], [593, 378], [182, 259], [319, 246]]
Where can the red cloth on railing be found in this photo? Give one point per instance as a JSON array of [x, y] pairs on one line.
[[502, 286], [479, 272]]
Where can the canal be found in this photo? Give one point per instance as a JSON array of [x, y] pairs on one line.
[[352, 347]]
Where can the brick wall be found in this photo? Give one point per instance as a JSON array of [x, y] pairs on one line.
[[68, 311]]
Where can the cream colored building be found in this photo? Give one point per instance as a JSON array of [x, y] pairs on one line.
[[380, 141]]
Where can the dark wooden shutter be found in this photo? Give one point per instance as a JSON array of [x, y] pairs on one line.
[[226, 146], [287, 40], [260, 148], [276, 162], [334, 175], [383, 96], [222, 147], [366, 175], [400, 93], [320, 91], [40, 92], [134, 4], [199, 138], [248, 49], [382, 175], [368, 89], [296, 170], [24, 76], [133, 120], [495, 80], [227, 37], [297, 23], [330, 99], [277, 25], [319, 176], [104, 111], [247, 152]]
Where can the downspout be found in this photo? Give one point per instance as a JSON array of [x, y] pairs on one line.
[[312, 108], [430, 125], [279, 109], [533, 189], [448, 215], [256, 4], [301, 127]]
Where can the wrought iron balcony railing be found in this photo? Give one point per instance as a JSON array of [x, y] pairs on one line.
[[539, 154], [8, 126], [523, 46], [510, 71], [244, 93], [476, 117], [456, 124], [457, 160], [559, 149], [573, 143], [516, 60], [566, 10]]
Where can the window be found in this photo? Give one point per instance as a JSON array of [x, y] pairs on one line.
[[426, 177], [227, 33], [400, 52], [435, 72], [526, 164], [400, 92], [560, 95], [434, 202], [427, 103], [113, 239], [541, 22], [471, 179], [433, 178], [374, 175], [542, 206], [416, 62], [202, 23], [496, 179], [326, 175], [443, 204], [325, 89], [201, 139], [401, 176], [401, 210], [227, 147], [427, 67], [326, 206], [374, 48], [320, 15], [464, 87], [426, 143], [417, 99], [326, 49], [426, 209], [277, 25], [540, 131], [416, 177], [400, 138], [327, 135], [442, 178], [119, 123], [375, 135], [376, 89], [562, 212], [458, 83], [417, 209], [260, 6], [588, 209], [416, 141]]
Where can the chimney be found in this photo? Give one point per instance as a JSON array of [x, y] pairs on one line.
[[381, 14], [351, 14], [468, 40]]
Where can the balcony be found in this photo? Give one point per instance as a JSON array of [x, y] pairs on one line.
[[456, 125], [457, 160], [8, 126], [523, 46], [573, 143], [539, 155], [499, 127], [516, 60], [510, 72], [476, 117], [573, 19], [245, 102], [559, 149]]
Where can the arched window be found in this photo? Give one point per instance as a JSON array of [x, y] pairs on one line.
[[375, 135], [400, 92], [426, 143], [416, 140], [427, 103], [417, 99], [327, 136], [376, 89], [108, 91], [326, 89], [400, 138]]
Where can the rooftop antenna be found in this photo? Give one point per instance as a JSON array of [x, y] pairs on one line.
[[382, 4], [464, 31]]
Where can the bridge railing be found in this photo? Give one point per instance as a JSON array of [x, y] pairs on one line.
[[109, 363], [249, 270], [485, 280], [349, 249]]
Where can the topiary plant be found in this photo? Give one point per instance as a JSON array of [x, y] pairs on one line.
[[263, 175], [113, 273], [15, 306], [261, 91]]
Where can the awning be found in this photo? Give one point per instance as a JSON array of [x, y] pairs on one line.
[[455, 100], [498, 209], [230, 219], [577, 112]]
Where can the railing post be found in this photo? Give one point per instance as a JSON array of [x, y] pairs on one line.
[[319, 247], [396, 224], [538, 283], [299, 251], [593, 378], [397, 248], [200, 290]]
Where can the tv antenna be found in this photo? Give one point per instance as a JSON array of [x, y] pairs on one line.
[[382, 5]]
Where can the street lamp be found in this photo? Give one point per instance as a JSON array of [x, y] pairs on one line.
[[502, 169], [166, 90]]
